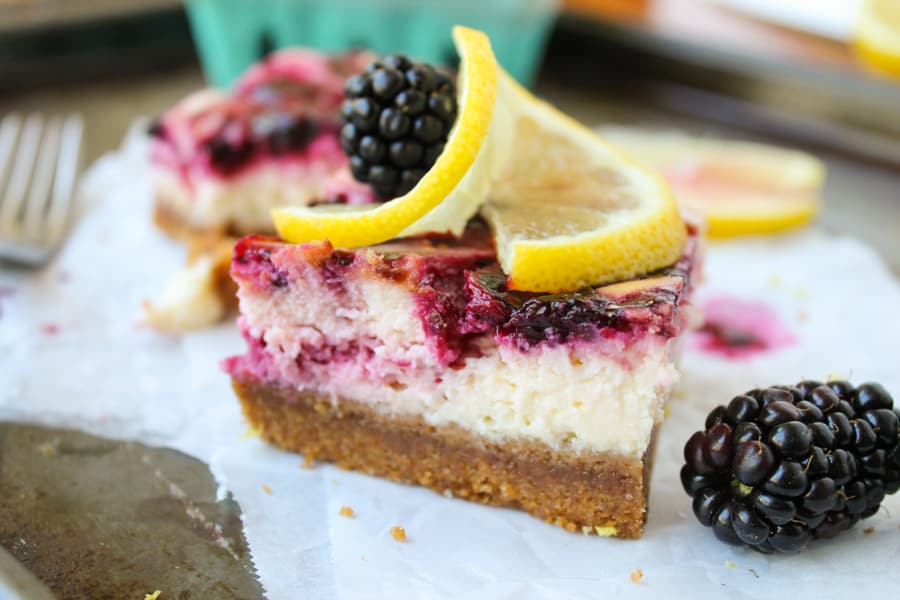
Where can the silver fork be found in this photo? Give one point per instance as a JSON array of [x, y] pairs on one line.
[[39, 161]]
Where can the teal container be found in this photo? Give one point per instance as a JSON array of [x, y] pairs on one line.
[[231, 34]]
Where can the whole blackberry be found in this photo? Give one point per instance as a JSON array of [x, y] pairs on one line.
[[781, 466], [396, 118]]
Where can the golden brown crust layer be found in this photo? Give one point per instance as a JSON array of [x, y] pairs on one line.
[[576, 491]]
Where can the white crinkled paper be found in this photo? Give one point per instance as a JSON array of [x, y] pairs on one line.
[[72, 355]]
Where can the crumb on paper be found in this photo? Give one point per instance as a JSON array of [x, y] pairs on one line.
[[152, 596], [308, 462], [730, 564], [754, 573], [606, 530], [267, 489], [251, 432], [398, 533], [586, 529], [637, 575], [868, 530], [189, 301], [347, 511], [447, 493], [835, 376], [49, 448]]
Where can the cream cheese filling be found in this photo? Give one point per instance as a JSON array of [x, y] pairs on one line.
[[600, 396]]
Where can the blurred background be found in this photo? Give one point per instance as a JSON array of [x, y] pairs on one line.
[[820, 75]]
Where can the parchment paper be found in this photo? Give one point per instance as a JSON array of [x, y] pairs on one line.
[[72, 355]]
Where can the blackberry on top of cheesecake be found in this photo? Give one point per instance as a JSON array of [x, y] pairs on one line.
[[518, 358]]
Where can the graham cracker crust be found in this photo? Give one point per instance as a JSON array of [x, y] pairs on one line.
[[599, 492]]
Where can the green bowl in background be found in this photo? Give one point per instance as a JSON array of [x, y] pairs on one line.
[[232, 34]]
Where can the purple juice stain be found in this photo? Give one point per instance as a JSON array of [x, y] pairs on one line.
[[736, 329]]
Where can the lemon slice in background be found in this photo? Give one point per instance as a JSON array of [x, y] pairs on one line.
[[458, 179], [568, 211], [876, 39], [740, 187]]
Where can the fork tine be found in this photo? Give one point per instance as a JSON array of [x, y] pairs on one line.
[[66, 170], [21, 174], [41, 182], [9, 131]]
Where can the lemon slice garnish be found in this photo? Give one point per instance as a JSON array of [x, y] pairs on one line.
[[740, 187], [455, 181], [876, 38], [568, 211]]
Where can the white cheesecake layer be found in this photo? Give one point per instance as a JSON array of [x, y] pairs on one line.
[[245, 201], [568, 400], [367, 345]]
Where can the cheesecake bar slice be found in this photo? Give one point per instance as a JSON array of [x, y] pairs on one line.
[[222, 160], [411, 360]]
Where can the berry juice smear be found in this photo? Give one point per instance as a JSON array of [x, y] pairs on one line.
[[738, 329]]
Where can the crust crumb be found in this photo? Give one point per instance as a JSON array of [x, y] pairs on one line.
[[869, 530], [49, 449], [398, 533], [346, 511], [267, 489], [637, 575], [251, 432], [308, 462]]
